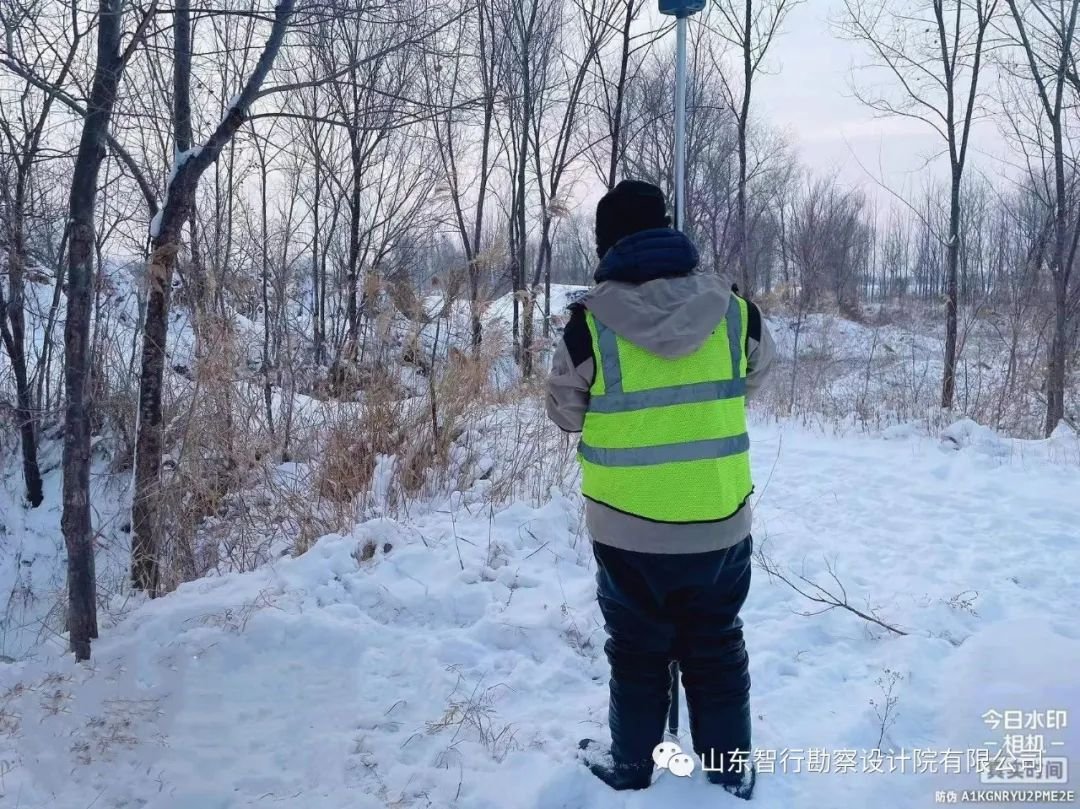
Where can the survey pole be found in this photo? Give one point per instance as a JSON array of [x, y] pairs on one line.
[[681, 10], [680, 122]]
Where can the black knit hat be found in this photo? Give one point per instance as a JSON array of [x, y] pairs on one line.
[[628, 208]]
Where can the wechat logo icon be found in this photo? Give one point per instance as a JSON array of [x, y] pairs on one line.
[[669, 756]]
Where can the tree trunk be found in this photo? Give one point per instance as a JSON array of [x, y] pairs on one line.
[[523, 244], [145, 574], [76, 521], [165, 243], [352, 272], [478, 225], [744, 114], [268, 393], [547, 297], [1059, 353], [316, 311], [1056, 371], [14, 339], [948, 378], [620, 95]]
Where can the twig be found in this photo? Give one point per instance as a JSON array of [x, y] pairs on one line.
[[814, 592]]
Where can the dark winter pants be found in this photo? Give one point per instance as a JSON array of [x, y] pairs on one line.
[[663, 607]]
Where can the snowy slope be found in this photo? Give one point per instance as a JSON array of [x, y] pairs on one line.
[[502, 309], [562, 295], [454, 659], [33, 559]]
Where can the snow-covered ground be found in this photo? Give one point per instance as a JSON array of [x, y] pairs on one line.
[[448, 653], [453, 658]]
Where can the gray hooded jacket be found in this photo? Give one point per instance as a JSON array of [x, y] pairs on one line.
[[671, 317]]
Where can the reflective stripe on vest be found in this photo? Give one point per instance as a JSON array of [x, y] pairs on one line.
[[667, 453], [688, 460]]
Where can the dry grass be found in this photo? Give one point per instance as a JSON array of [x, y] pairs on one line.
[[228, 506], [353, 440], [471, 715], [216, 440]]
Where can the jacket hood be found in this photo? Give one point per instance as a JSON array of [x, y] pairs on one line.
[[648, 254], [671, 317]]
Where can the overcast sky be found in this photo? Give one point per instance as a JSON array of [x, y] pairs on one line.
[[807, 96]]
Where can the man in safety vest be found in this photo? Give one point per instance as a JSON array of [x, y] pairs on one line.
[[654, 369]]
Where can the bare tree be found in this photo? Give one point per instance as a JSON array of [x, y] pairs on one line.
[[1046, 33], [526, 26], [557, 145], [615, 91], [189, 165], [459, 86], [318, 139], [23, 119], [76, 521], [612, 84], [1022, 232], [829, 246], [712, 160], [934, 50], [749, 26]]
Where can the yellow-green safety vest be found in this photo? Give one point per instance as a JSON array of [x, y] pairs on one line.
[[665, 439]]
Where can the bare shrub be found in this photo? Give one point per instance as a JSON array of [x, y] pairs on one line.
[[414, 438], [885, 706], [214, 442], [114, 406], [117, 727], [534, 454], [234, 620]]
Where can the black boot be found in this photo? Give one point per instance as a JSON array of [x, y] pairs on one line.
[[742, 787], [617, 776]]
